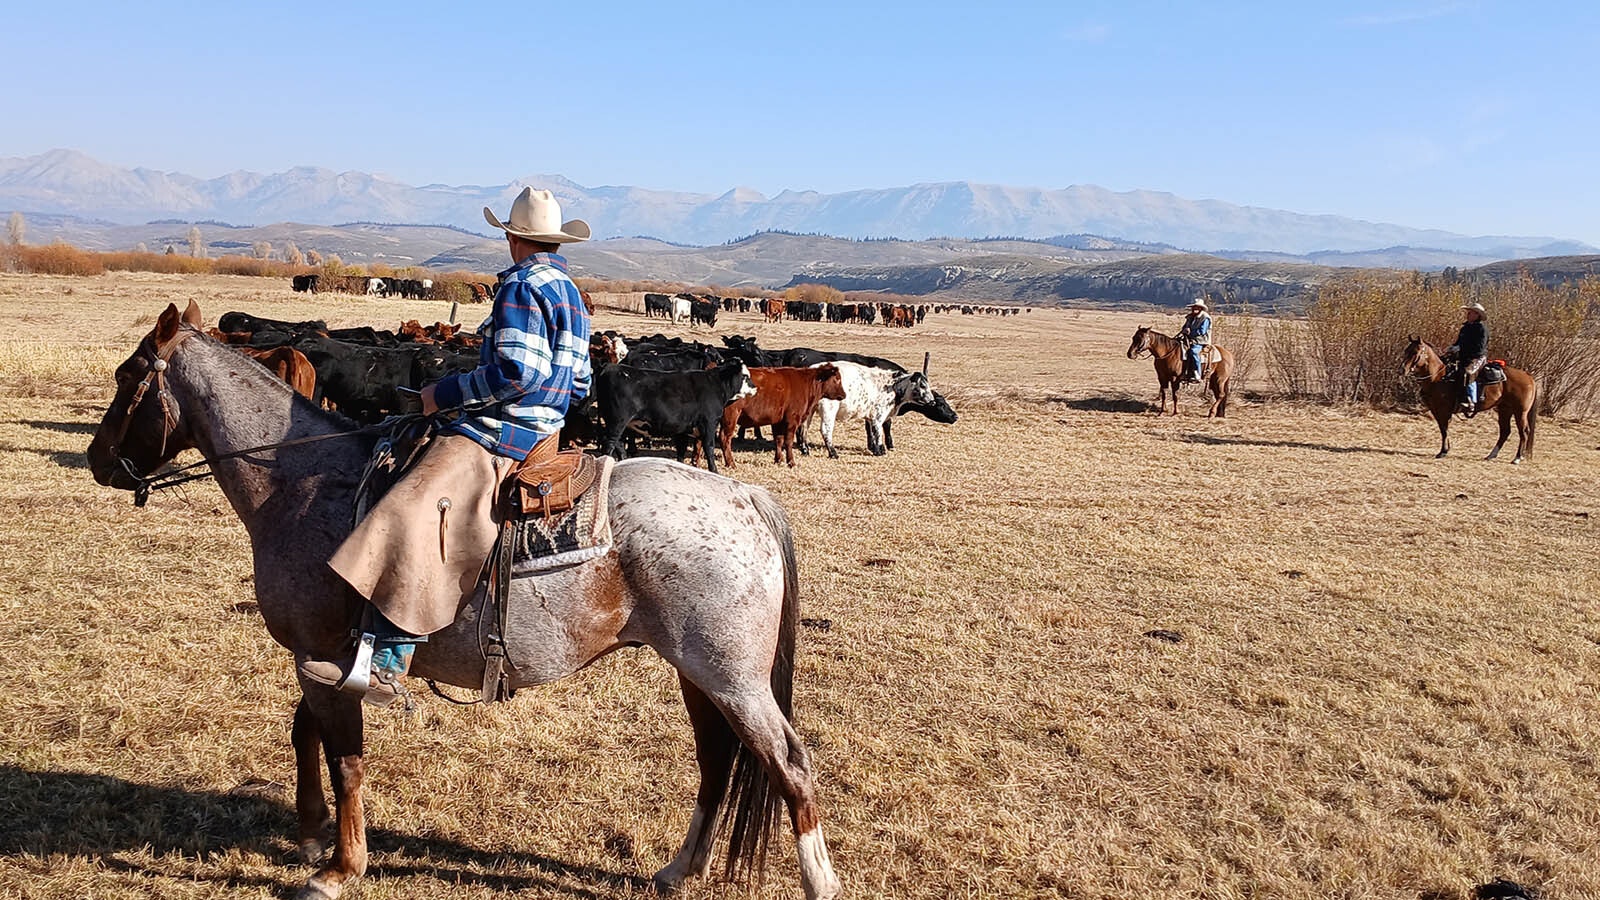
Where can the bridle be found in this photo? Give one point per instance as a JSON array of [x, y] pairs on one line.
[[1147, 349], [1414, 360], [158, 357], [154, 375]]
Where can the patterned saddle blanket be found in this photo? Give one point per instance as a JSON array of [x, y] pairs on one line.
[[559, 512]]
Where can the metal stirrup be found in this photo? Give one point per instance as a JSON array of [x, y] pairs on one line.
[[359, 681]]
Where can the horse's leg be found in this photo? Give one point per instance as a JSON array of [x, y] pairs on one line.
[[1505, 432], [766, 732], [339, 718], [309, 803], [714, 746], [1443, 418]]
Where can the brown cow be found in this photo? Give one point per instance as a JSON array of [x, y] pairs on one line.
[[287, 363], [785, 398], [773, 310]]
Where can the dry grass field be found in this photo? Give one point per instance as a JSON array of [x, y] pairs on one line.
[[1388, 683]]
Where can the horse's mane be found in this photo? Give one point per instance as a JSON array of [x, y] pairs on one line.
[[269, 381]]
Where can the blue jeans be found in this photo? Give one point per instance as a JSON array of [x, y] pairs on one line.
[[1194, 358]]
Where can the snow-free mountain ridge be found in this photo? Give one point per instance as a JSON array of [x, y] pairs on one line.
[[69, 182]]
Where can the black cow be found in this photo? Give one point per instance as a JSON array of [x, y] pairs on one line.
[[703, 311], [237, 321], [657, 305], [679, 405], [304, 283], [364, 382]]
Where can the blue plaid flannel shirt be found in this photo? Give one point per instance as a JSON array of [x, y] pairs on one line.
[[534, 363]]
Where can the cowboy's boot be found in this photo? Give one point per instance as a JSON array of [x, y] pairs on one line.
[[373, 673]]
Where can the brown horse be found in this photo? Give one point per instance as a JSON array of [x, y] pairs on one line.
[[1515, 399], [1168, 355], [727, 622]]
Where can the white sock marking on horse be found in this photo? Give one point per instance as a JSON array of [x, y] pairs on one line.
[[816, 870]]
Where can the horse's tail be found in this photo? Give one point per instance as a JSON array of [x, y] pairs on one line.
[[1533, 415], [753, 802]]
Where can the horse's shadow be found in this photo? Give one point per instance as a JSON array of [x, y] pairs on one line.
[[107, 818], [66, 459], [1220, 440], [1112, 403], [63, 427]]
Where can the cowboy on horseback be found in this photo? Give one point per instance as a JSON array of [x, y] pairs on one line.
[[1195, 335], [1470, 352], [417, 554]]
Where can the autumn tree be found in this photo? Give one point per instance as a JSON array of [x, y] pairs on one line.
[[292, 254], [261, 249], [16, 228], [197, 245]]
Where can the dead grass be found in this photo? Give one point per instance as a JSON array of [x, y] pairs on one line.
[[1387, 685]]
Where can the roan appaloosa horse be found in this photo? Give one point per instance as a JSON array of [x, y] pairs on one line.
[[1516, 398], [1168, 355], [727, 622]]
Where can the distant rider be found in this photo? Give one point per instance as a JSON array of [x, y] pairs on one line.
[[1469, 351], [1195, 335]]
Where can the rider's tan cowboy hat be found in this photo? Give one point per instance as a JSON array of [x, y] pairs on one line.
[[1475, 307], [536, 216], [1198, 301]]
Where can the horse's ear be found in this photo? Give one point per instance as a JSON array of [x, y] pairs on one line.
[[191, 315], [167, 324], [1415, 339]]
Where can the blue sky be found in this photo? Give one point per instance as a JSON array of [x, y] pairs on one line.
[[1476, 117]]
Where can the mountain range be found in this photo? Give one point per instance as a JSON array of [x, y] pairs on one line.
[[66, 182]]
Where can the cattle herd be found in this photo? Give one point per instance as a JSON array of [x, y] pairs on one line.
[[652, 387], [373, 286]]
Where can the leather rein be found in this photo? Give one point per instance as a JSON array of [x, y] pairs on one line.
[[155, 377]]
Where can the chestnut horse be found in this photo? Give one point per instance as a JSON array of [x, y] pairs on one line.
[[1517, 398], [718, 600], [1168, 355]]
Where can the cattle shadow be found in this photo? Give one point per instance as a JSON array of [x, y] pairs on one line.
[[1106, 403], [1221, 441], [62, 427], [66, 459], [106, 818]]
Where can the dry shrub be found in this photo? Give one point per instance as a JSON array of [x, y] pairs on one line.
[[58, 259], [814, 293], [1240, 333], [1348, 348], [164, 263]]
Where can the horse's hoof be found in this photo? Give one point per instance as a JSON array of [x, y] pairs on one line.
[[317, 888], [312, 850], [664, 883]]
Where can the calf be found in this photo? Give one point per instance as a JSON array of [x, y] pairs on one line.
[[681, 308], [679, 405], [772, 310], [288, 364], [784, 398]]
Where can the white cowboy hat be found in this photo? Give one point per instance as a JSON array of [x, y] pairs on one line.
[[1198, 301], [1475, 307], [536, 216]]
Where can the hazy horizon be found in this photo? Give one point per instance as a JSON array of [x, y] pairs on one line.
[[1461, 116]]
